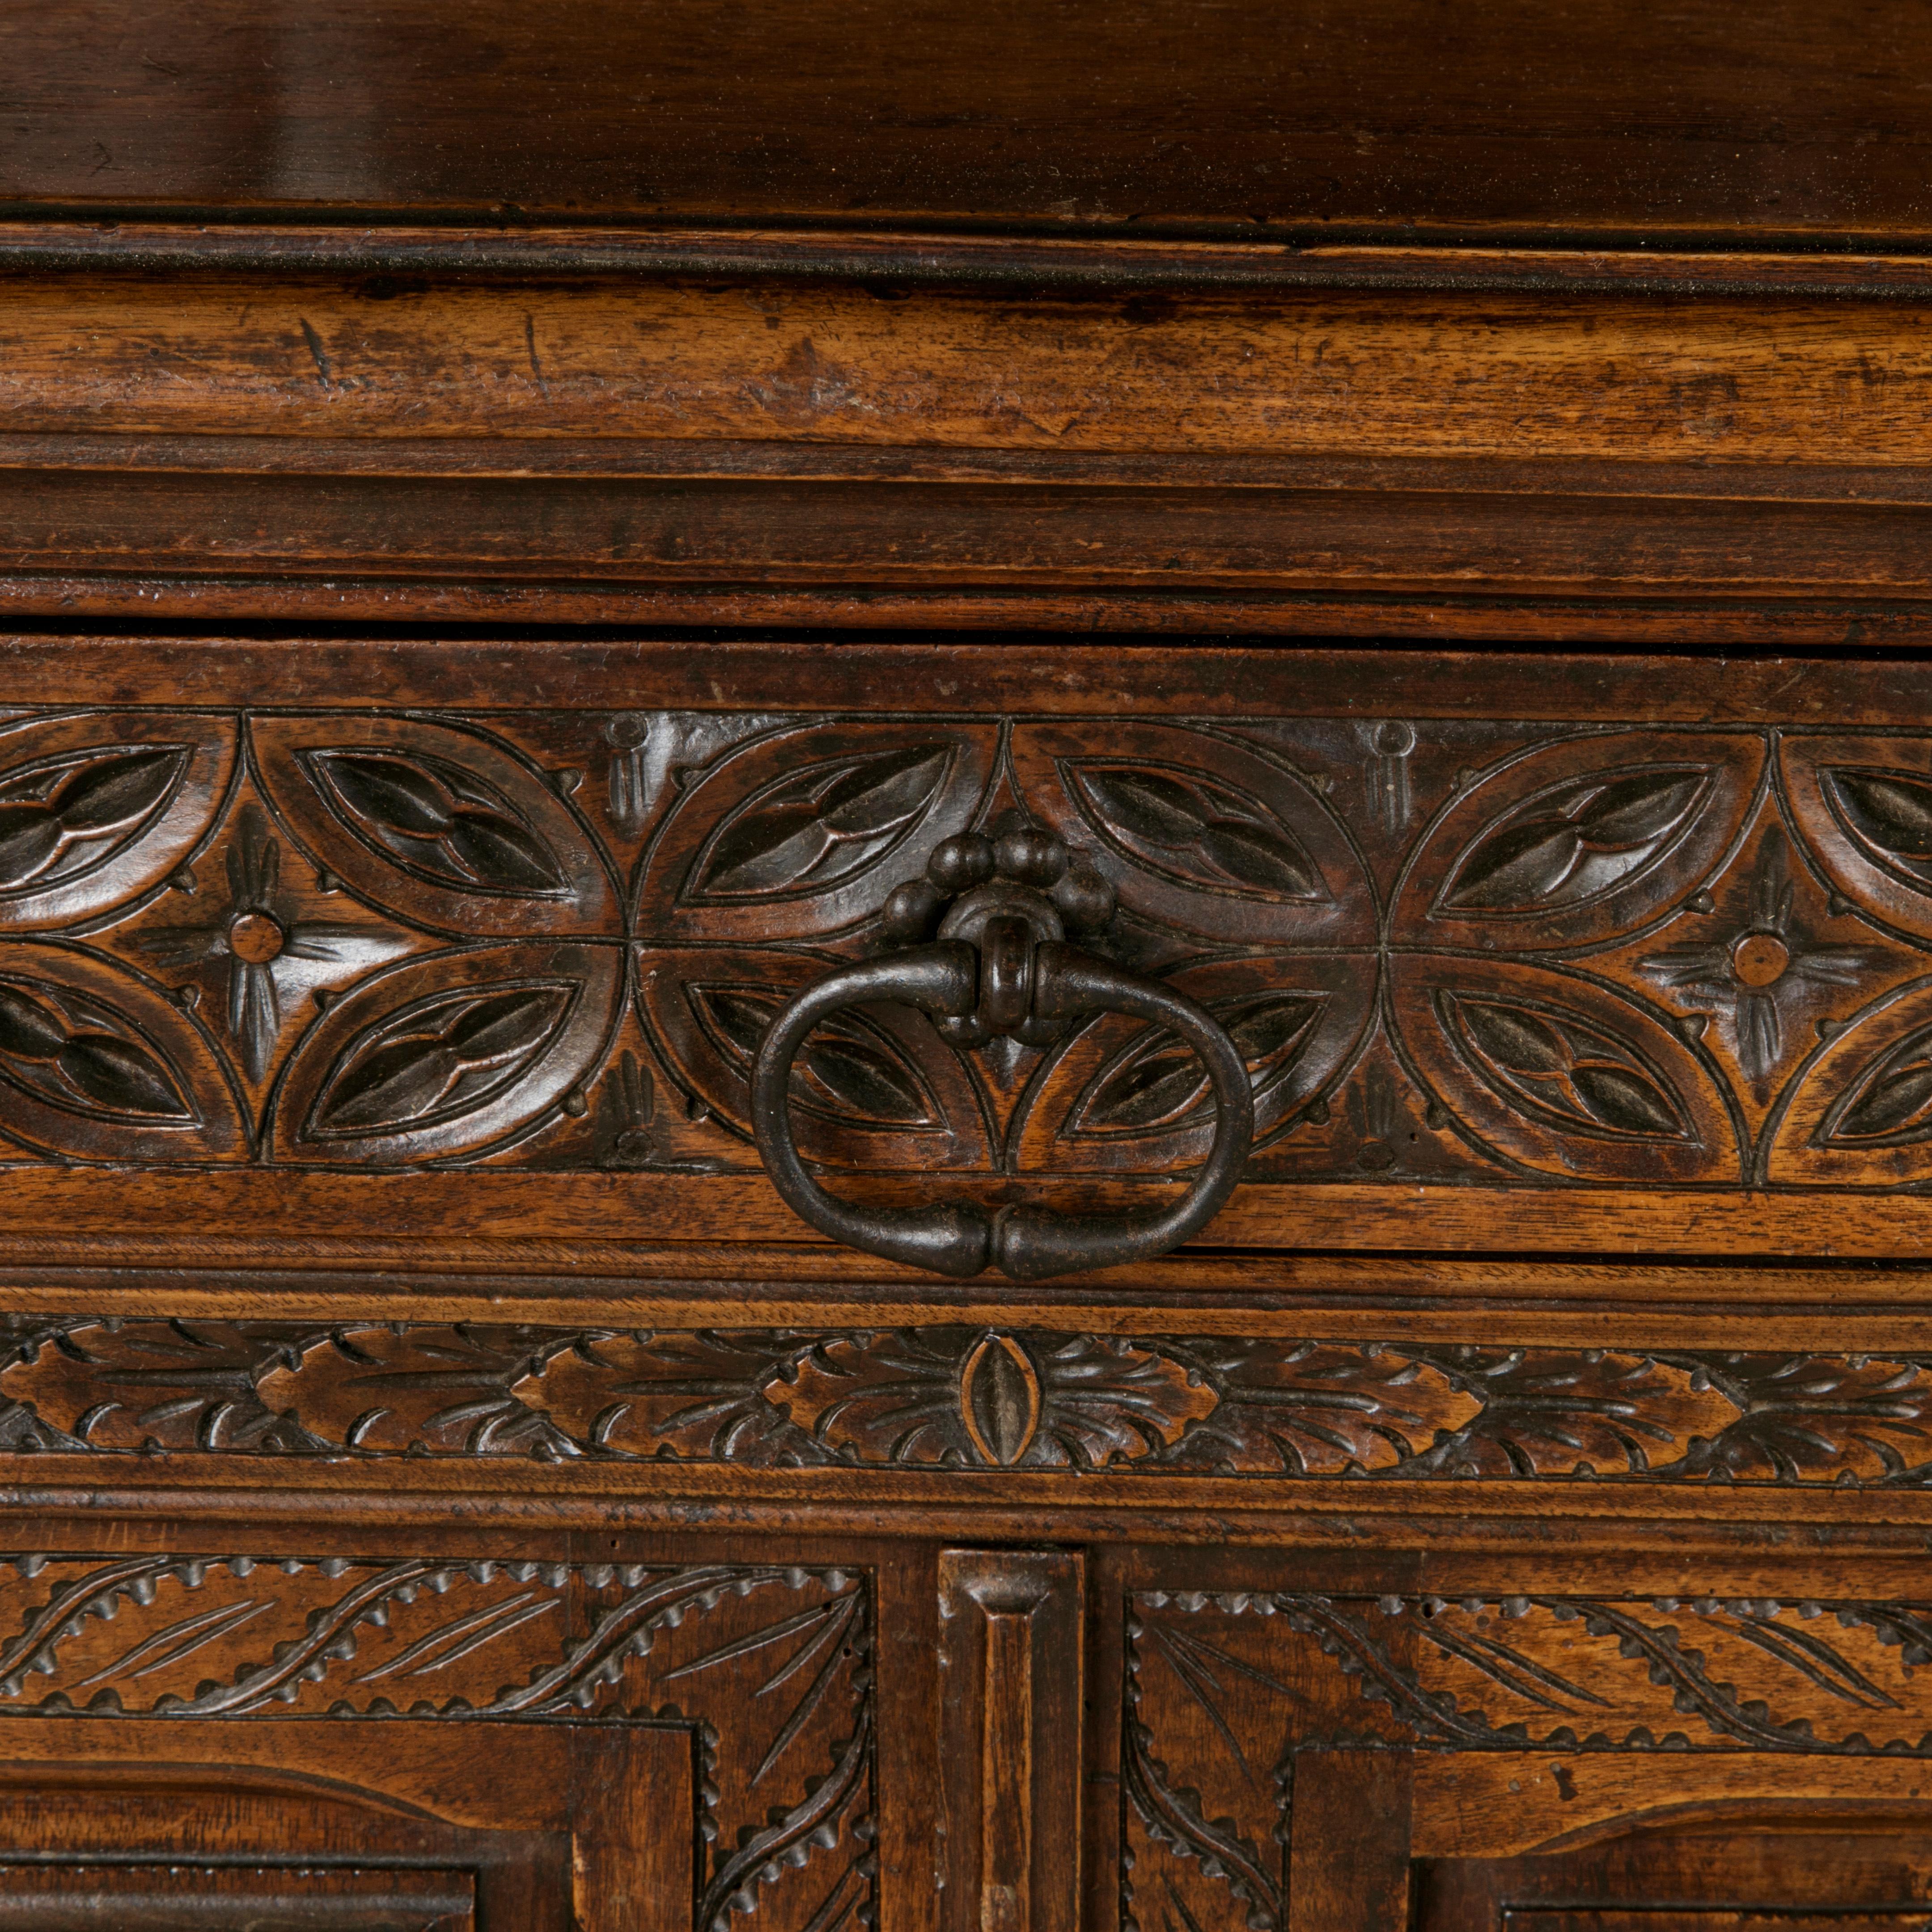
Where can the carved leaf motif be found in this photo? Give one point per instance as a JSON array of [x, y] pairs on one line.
[[819, 827], [966, 1398], [1550, 1412], [1311, 1409], [444, 823], [1889, 1104], [440, 1057], [1750, 1673], [1157, 1083], [174, 1384], [1188, 825], [1569, 847], [59, 815], [1555, 1065], [697, 1396], [82, 1056], [449, 1390], [1888, 813], [848, 1068], [1817, 1418]]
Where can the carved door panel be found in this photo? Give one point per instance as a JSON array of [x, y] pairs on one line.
[[427, 1745], [1506, 1754]]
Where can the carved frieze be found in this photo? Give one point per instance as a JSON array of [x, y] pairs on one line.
[[962, 1397], [1500, 954]]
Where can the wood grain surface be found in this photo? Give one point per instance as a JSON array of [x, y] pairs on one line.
[[519, 529], [258, 440], [1384, 119]]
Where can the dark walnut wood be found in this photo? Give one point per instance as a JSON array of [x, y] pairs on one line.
[[1012, 1693], [1382, 118], [525, 535], [701, 1733], [1614, 956], [1402, 443], [965, 1398], [1530, 1760]]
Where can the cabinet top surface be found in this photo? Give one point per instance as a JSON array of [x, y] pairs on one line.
[[1375, 118]]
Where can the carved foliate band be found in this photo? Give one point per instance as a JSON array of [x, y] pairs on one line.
[[944, 1398]]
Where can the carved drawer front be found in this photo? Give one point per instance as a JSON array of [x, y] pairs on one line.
[[426, 1746], [1679, 970]]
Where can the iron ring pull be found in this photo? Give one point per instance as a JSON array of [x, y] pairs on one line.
[[1006, 983]]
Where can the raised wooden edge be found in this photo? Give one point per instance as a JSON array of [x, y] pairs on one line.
[[1505, 1301], [535, 1222], [370, 244], [1012, 1697], [555, 669], [66, 1497], [1453, 615]]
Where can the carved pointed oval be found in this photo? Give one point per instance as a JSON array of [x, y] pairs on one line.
[[86, 1057], [1546, 1061], [1157, 1083], [1196, 827], [96, 1064], [1888, 814], [810, 831], [1889, 1102], [1000, 1399], [801, 830], [446, 828], [1576, 839], [439, 820], [418, 1067], [1575, 843], [447, 1052], [1201, 832], [849, 1068], [1565, 1074], [95, 811]]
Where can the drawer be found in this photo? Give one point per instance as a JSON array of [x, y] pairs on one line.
[[465, 954]]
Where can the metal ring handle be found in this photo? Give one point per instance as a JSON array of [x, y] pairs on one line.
[[1026, 1242]]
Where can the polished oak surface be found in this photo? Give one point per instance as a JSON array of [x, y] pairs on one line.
[[1385, 118]]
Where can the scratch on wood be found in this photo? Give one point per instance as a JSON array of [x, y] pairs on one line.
[[530, 345], [324, 374]]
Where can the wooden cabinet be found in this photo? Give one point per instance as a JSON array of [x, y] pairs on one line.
[[964, 969]]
